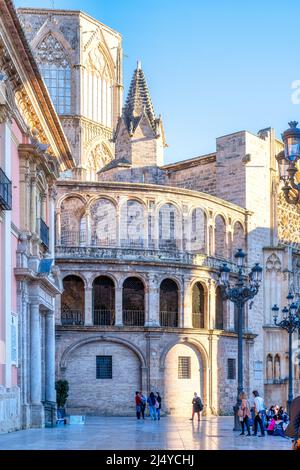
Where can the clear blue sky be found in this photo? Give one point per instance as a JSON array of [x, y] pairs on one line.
[[213, 67]]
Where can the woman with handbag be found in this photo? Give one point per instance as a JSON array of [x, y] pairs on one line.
[[244, 414]]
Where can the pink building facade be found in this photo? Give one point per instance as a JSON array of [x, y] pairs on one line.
[[33, 150]]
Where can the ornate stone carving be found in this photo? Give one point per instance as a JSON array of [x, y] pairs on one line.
[[273, 263], [92, 132], [96, 63], [99, 157], [288, 222], [50, 51]]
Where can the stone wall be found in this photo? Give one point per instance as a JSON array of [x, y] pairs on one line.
[[10, 410]]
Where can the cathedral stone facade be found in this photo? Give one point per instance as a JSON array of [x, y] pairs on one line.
[[140, 244]]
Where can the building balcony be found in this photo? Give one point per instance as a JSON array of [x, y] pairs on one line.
[[169, 319], [104, 317], [72, 318], [108, 251], [5, 192], [133, 317], [43, 231], [198, 320]]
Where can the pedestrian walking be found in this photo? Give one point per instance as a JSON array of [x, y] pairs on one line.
[[259, 412], [197, 406], [244, 414], [158, 409], [293, 429], [151, 402], [143, 404], [138, 405]]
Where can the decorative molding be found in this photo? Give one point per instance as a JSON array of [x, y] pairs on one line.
[[273, 263]]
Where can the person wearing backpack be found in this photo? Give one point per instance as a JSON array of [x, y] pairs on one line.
[[197, 406]]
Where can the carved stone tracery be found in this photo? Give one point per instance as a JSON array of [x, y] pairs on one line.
[[50, 51], [288, 222], [273, 263]]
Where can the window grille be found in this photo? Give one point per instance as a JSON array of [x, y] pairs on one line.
[[104, 367], [184, 367], [231, 369]]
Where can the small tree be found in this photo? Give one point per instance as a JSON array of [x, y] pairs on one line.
[[62, 388]]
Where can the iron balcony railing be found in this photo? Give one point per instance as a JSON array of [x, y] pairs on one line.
[[104, 317], [72, 317], [133, 317], [5, 192], [169, 319], [43, 232], [72, 237], [198, 320]]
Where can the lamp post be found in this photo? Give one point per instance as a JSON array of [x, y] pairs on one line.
[[290, 322], [288, 161], [244, 290]]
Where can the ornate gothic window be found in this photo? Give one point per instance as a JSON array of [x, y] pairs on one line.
[[56, 71], [99, 88]]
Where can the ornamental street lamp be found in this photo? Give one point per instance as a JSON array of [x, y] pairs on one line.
[[290, 322], [288, 161], [244, 290]]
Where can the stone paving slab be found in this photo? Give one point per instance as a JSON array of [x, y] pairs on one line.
[[104, 433]]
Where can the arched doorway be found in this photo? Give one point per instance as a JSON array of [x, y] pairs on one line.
[[104, 301], [72, 301], [168, 303], [184, 374], [133, 302], [198, 305]]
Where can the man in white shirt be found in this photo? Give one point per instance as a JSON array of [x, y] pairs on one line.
[[259, 412]]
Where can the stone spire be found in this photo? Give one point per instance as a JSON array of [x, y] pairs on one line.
[[139, 102]]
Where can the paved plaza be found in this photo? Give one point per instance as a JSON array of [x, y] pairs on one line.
[[104, 433]]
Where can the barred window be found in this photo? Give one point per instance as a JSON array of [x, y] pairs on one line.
[[231, 369], [104, 367], [184, 367]]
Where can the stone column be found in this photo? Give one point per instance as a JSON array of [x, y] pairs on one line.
[[88, 235], [88, 306], [118, 228], [187, 304], [43, 207], [50, 356], [33, 214], [58, 228], [119, 305], [37, 417], [152, 317], [52, 196]]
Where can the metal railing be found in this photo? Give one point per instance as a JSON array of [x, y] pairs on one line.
[[5, 192], [72, 238], [198, 320], [72, 317], [43, 232], [104, 317], [134, 317], [169, 319], [105, 242]]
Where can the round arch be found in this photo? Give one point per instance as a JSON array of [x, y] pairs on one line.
[[71, 195], [184, 364], [97, 198], [101, 338], [80, 275]]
